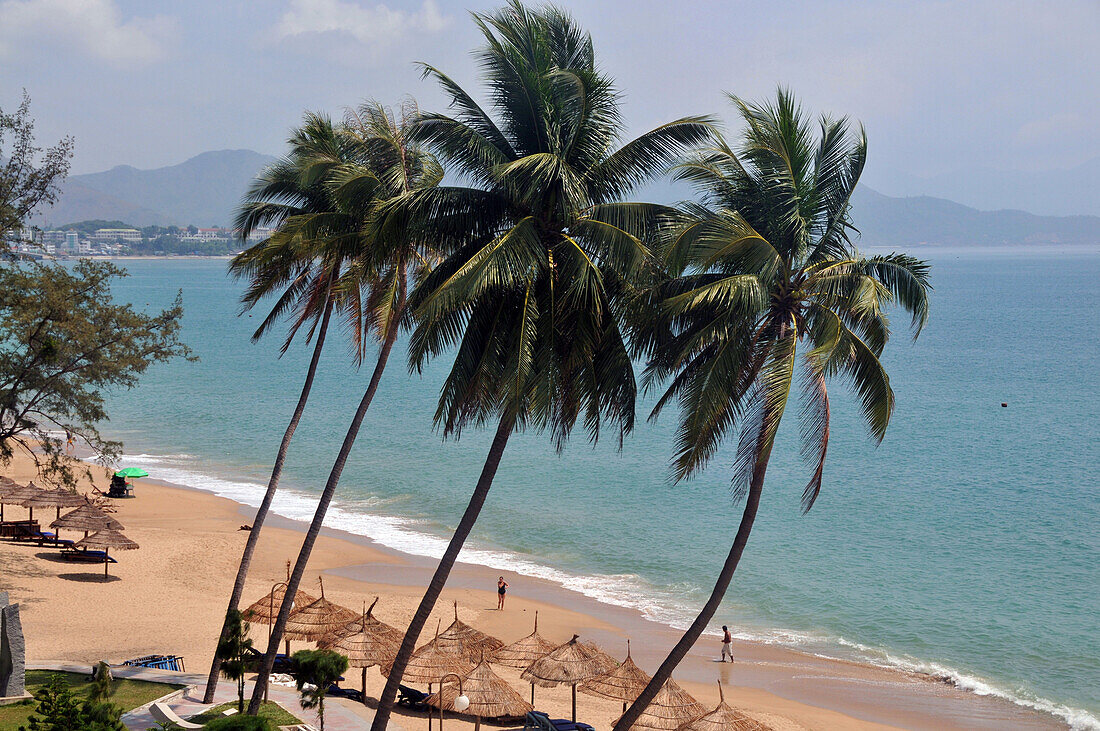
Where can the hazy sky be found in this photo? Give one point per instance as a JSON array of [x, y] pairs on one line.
[[940, 86]]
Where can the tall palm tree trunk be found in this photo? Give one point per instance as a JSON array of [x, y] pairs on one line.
[[322, 506], [272, 487], [442, 571], [752, 502]]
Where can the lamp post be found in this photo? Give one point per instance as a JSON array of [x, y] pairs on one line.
[[461, 702]]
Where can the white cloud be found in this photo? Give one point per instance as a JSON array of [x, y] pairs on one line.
[[376, 26], [95, 26]]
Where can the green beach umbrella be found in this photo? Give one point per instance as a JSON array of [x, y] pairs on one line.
[[132, 472]]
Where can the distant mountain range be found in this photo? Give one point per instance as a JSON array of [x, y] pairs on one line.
[[202, 191], [1074, 190], [205, 190]]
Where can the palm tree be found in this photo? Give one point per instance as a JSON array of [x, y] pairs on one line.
[[764, 266], [531, 295], [302, 268], [377, 162]]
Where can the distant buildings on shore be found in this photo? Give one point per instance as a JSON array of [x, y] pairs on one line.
[[82, 240]]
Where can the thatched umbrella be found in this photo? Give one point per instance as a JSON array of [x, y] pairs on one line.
[[106, 539], [489, 695], [87, 518], [265, 609], [57, 498], [15, 494], [521, 653], [624, 683], [670, 709], [429, 664], [318, 619], [462, 639], [724, 718], [11, 493], [367, 642], [571, 663]]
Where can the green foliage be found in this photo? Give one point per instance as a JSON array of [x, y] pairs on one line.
[[270, 711], [233, 650], [545, 249], [28, 178], [320, 198], [101, 683], [763, 267], [241, 723], [92, 225], [58, 710], [63, 344], [314, 672]]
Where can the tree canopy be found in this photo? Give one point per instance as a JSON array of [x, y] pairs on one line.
[[30, 177], [63, 345]]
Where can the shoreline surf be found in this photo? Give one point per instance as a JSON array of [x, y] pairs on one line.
[[631, 593]]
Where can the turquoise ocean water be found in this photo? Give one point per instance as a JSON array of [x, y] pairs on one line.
[[967, 544]]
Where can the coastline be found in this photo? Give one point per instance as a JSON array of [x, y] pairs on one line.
[[180, 526]]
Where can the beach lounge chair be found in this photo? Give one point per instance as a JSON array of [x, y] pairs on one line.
[[20, 529], [164, 714], [411, 698], [539, 721], [75, 554], [351, 694], [158, 662]]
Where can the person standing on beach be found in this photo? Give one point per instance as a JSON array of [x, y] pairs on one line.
[[502, 589], [727, 640]]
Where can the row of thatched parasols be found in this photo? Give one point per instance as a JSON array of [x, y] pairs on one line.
[[466, 654], [87, 517]]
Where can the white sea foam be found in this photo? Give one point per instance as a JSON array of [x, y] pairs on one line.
[[1077, 719], [623, 590]]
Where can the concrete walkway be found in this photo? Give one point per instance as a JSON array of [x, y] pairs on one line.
[[341, 714]]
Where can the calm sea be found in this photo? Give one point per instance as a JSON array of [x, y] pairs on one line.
[[967, 544]]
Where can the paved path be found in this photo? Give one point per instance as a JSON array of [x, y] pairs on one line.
[[341, 714]]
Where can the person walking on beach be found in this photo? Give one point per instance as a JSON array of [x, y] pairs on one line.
[[727, 640], [502, 589]]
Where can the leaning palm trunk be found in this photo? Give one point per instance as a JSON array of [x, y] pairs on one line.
[[322, 506], [442, 571], [752, 502], [265, 504]]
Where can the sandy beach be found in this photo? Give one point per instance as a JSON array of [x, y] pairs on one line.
[[169, 596]]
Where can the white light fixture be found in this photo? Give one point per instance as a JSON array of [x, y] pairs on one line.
[[462, 703]]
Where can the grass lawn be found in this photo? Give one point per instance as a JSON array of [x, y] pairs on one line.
[[128, 694], [271, 711]]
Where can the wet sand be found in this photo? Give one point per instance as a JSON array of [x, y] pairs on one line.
[[169, 596]]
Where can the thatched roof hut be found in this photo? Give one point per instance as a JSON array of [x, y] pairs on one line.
[[490, 696], [462, 639], [521, 653], [624, 683], [431, 662], [11, 493], [724, 718], [670, 709], [571, 663], [57, 498], [86, 518], [106, 539], [317, 620], [366, 642], [16, 494], [265, 609]]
